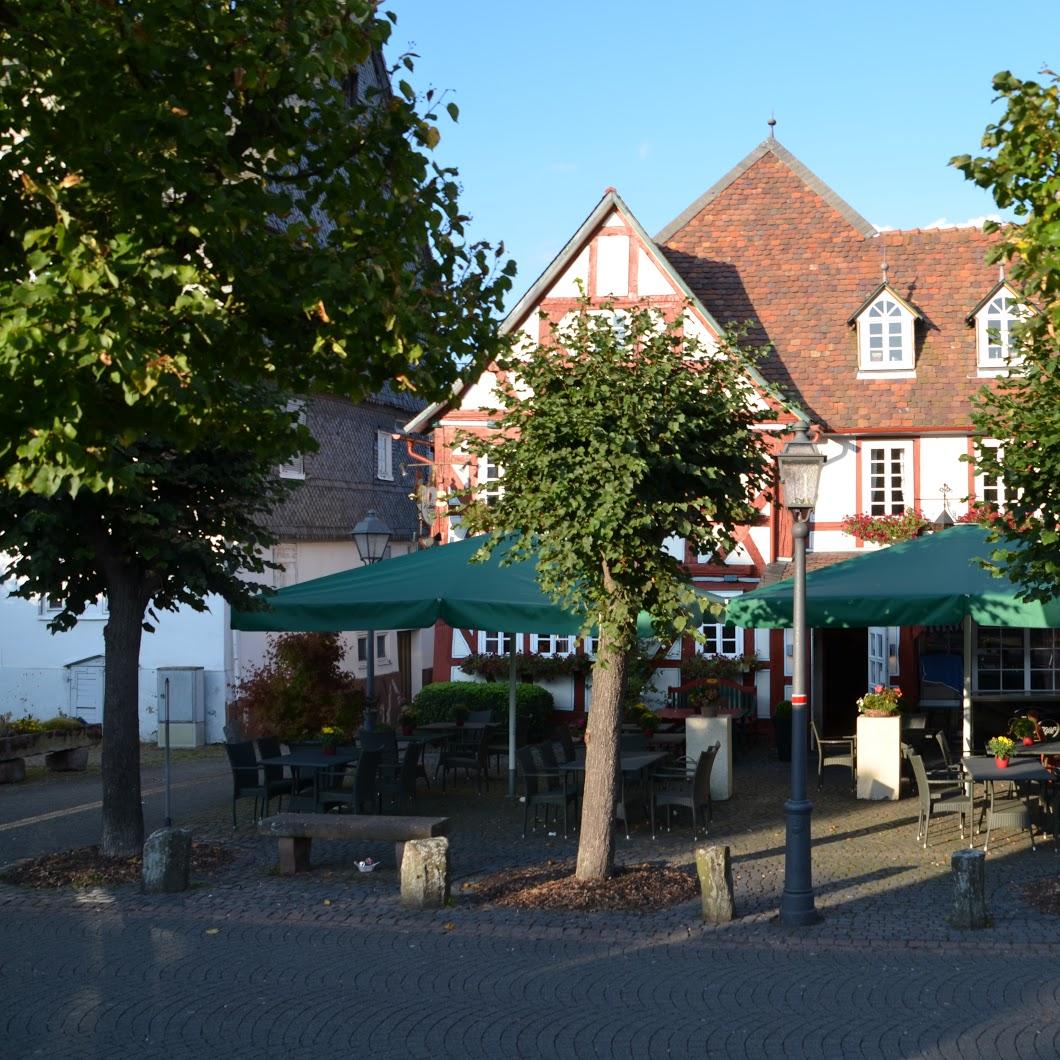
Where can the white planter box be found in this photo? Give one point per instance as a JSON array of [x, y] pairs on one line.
[[879, 757], [700, 733]]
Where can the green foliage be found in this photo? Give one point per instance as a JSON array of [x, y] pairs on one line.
[[206, 212], [29, 725], [641, 714], [300, 690], [782, 709], [1021, 728], [62, 723], [439, 701], [623, 436], [1022, 172]]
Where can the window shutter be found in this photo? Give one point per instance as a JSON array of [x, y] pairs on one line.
[[384, 463]]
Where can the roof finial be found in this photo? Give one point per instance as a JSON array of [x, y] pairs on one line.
[[772, 123], [1001, 273], [883, 265]]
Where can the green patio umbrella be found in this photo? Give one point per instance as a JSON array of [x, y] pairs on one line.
[[928, 581], [415, 590]]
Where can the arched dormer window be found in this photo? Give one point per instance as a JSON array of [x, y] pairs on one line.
[[994, 319], [886, 338]]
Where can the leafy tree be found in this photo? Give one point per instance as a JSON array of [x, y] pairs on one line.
[[207, 211], [619, 433], [1022, 171]]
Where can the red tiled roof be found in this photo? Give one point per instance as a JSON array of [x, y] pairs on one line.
[[777, 248]]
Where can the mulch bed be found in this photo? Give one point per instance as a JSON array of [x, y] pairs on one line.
[[86, 867], [553, 886], [1044, 895]]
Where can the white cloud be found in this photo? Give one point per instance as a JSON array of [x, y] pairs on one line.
[[972, 222]]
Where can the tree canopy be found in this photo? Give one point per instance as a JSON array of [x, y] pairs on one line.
[[211, 207], [1018, 424], [620, 432]]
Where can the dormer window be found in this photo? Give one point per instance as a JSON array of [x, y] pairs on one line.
[[994, 319], [885, 336]]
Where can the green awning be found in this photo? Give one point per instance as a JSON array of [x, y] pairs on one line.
[[415, 590], [929, 581]]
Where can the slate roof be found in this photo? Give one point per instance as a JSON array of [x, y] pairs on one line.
[[340, 484], [770, 243]]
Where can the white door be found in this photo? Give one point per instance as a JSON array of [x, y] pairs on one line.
[[86, 693]]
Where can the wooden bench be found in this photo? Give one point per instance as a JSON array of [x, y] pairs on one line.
[[296, 832]]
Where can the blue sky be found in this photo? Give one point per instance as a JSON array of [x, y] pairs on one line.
[[560, 100]]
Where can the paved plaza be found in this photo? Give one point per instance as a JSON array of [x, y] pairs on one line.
[[249, 964]]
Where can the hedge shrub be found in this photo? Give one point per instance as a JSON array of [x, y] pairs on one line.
[[436, 702]]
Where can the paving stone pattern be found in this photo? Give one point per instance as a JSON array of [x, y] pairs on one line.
[[330, 965]]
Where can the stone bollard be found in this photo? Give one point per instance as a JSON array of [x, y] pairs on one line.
[[12, 771], [969, 889], [715, 881], [425, 873], [167, 861], [75, 760]]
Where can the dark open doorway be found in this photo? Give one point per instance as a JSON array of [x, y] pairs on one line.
[[845, 669]]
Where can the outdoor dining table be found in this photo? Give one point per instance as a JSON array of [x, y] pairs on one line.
[[983, 769], [630, 763], [314, 762], [1043, 747]]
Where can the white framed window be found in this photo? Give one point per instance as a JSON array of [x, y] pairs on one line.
[[384, 456], [720, 639], [1017, 660], [885, 336], [887, 474], [490, 487], [381, 645], [295, 467], [993, 330], [883, 654], [493, 643], [49, 606], [551, 644], [989, 489]]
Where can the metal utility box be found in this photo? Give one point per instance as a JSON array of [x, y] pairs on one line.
[[187, 715]]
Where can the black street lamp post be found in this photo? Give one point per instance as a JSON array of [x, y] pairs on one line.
[[800, 474], [371, 536]]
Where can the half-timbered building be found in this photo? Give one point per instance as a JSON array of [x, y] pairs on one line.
[[878, 340]]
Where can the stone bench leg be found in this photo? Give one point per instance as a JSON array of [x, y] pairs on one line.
[[12, 770], [74, 760], [425, 874], [294, 854]]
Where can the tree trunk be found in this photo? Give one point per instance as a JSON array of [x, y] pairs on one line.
[[123, 818], [596, 844]]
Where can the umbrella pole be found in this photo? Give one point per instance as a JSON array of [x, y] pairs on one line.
[[966, 698], [511, 720]]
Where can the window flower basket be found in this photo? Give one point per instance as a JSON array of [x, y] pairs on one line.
[[886, 529], [881, 702]]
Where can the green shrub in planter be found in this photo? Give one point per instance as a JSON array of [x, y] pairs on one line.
[[438, 701]]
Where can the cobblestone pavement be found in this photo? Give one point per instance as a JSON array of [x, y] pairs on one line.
[[330, 965]]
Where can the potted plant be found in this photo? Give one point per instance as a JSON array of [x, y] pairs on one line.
[[408, 719], [1022, 729], [782, 729], [1001, 747], [330, 737], [880, 702], [641, 714], [705, 699], [460, 715]]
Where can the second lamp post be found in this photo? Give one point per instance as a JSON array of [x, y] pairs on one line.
[[371, 536], [800, 475]]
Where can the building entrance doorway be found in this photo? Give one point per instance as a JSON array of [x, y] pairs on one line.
[[844, 665]]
